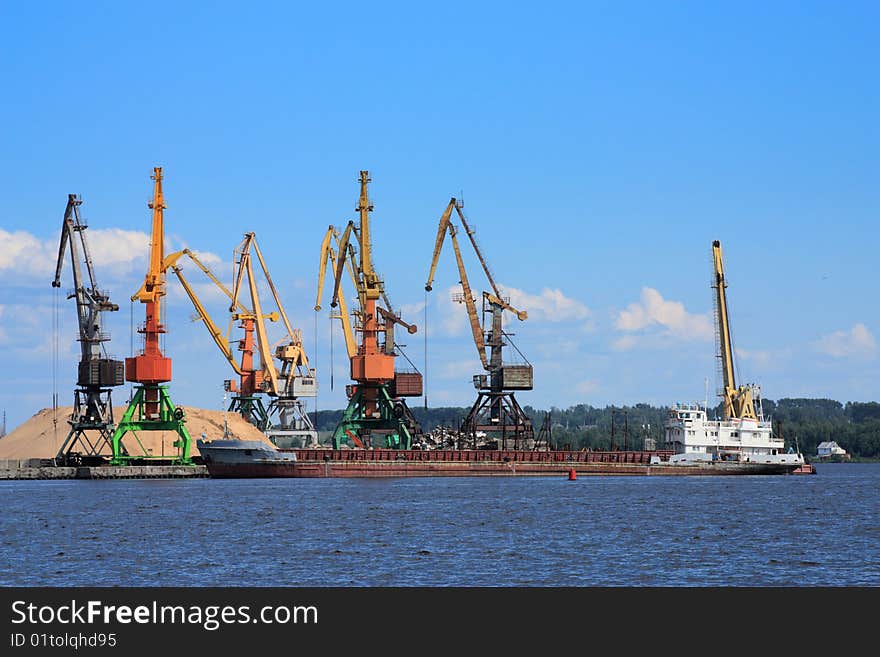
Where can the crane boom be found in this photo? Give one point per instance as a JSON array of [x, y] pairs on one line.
[[279, 305], [270, 373], [438, 243], [738, 401], [347, 258], [221, 340], [469, 301], [372, 283], [328, 256], [483, 264], [90, 302]]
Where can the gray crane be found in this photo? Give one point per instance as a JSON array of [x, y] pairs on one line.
[[91, 423]]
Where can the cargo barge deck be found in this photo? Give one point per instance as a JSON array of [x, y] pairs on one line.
[[240, 459]]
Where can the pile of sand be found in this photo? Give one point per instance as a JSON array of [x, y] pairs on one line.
[[43, 434]]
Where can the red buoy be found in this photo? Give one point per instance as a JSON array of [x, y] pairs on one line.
[[572, 475]]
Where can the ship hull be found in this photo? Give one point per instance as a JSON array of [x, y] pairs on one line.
[[229, 462]]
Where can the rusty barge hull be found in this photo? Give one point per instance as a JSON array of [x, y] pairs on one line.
[[307, 463]]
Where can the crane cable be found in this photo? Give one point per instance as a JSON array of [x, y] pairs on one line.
[[315, 361], [425, 375], [331, 351], [56, 338]]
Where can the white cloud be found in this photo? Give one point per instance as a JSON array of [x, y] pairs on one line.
[[652, 311], [551, 305], [207, 258], [856, 342], [453, 315], [117, 249], [26, 258], [411, 309], [25, 255]]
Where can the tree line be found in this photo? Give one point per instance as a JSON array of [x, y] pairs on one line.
[[803, 423]]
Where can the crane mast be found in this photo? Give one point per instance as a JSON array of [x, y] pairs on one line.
[[151, 408], [496, 410], [738, 401], [91, 423], [376, 408]]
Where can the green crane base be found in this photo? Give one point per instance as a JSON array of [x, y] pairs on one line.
[[135, 419], [395, 421], [252, 410]]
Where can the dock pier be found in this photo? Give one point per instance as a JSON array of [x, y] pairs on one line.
[[46, 469]]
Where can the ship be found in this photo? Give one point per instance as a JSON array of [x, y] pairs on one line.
[[742, 435], [693, 438]]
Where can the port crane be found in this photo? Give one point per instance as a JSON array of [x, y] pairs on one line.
[[739, 401], [295, 379], [377, 409], [91, 423], [246, 400], [151, 408], [496, 410]]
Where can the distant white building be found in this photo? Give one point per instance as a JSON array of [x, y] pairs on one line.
[[830, 448]]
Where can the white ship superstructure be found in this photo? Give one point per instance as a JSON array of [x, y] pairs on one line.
[[688, 430]]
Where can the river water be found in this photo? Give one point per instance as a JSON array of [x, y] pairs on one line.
[[821, 530]]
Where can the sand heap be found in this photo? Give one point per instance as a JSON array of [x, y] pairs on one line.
[[43, 434]]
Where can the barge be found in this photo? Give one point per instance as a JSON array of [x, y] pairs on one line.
[[233, 458]]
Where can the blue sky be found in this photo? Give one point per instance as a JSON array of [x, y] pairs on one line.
[[599, 147]]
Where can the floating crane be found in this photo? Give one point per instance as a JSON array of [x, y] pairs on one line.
[[246, 400], [377, 409], [295, 379], [496, 410], [739, 402], [151, 408], [91, 423]]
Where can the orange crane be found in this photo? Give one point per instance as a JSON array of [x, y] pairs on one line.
[[151, 408], [377, 409], [496, 411]]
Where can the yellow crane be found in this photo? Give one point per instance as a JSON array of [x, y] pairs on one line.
[[245, 400], [738, 401], [496, 410], [294, 379]]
